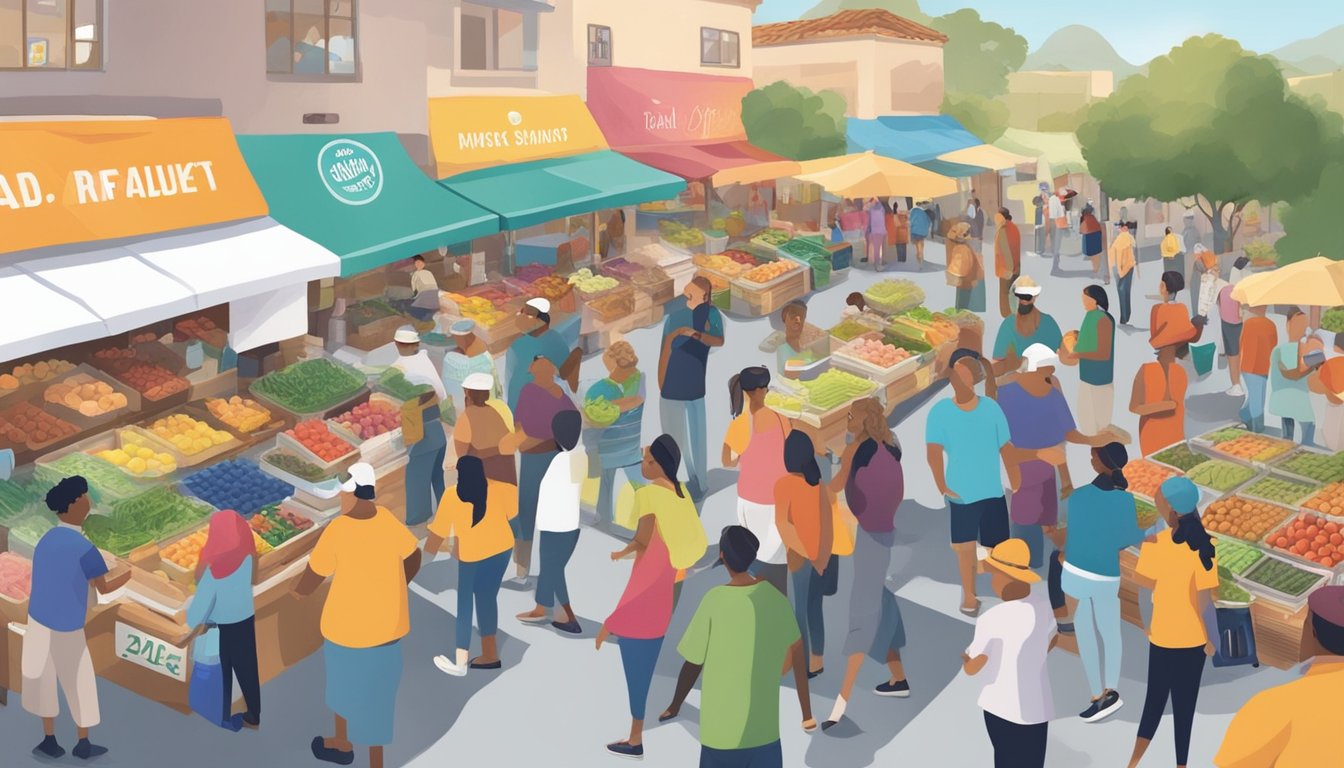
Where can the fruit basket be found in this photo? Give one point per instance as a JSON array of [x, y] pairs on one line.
[[23, 381], [1310, 538], [1281, 490], [179, 555], [190, 437], [311, 388], [589, 286], [159, 387], [244, 417], [1179, 457], [88, 398], [1221, 476], [1308, 464], [876, 360], [134, 452], [236, 484], [1285, 582], [1243, 518], [1327, 502]]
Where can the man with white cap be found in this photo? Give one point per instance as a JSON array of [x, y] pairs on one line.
[[370, 557], [1029, 326], [424, 433], [469, 356], [484, 429], [538, 339]]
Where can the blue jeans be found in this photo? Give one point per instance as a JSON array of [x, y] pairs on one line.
[[807, 594], [478, 584], [1308, 430], [1096, 619], [639, 658], [684, 420], [765, 756], [556, 549], [1034, 536], [1253, 410], [1123, 286], [606, 490]]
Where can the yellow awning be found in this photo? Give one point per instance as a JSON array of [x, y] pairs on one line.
[[986, 156], [871, 175], [1316, 282], [757, 172], [471, 132]]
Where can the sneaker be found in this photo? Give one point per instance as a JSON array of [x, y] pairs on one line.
[[49, 748], [899, 689], [1236, 391], [86, 749], [1102, 708], [449, 667], [627, 750]]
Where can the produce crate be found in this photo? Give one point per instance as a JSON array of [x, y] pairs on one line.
[[1287, 554], [612, 305], [107, 481], [290, 550], [84, 423], [328, 488], [656, 283], [292, 445], [201, 412], [375, 334], [111, 439], [1305, 489], [358, 396], [1200, 474], [388, 442], [1274, 563], [842, 255], [117, 368], [758, 299], [911, 298], [1194, 449], [1331, 471], [275, 492], [190, 459], [845, 359], [12, 607], [28, 409], [1215, 441]]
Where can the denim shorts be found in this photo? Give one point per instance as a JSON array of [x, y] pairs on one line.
[[985, 521]]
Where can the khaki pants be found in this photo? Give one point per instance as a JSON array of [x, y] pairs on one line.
[[50, 657], [1095, 404]]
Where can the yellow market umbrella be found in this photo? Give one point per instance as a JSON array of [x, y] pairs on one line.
[[871, 175], [986, 156], [1316, 282]]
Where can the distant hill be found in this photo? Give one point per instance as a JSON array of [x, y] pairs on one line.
[[905, 8], [1315, 55], [1077, 48]]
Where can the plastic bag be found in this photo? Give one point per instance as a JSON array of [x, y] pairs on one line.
[[205, 692]]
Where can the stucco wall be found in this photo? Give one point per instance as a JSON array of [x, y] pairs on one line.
[[1033, 95], [876, 76]]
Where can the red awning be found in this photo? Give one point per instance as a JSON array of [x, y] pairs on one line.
[[684, 123]]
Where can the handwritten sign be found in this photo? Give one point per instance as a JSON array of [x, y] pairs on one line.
[[150, 652]]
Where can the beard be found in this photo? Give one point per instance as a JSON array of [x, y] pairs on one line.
[[1025, 309]]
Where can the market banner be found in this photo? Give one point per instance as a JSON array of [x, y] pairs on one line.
[[644, 107], [471, 132], [73, 182]]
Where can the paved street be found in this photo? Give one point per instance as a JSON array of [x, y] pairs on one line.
[[557, 701]]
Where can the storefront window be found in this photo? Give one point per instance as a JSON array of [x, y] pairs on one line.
[[51, 34], [492, 38], [719, 48], [599, 46], [310, 37]]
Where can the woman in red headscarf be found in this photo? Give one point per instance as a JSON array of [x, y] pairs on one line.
[[225, 573]]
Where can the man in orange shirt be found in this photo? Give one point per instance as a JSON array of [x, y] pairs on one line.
[[1328, 380], [1007, 256], [1258, 339]]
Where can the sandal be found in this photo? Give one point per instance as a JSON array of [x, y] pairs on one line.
[[973, 611]]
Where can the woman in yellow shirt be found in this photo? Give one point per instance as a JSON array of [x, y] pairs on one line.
[[476, 514], [370, 557], [1180, 567]]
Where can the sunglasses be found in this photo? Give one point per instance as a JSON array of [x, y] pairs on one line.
[[1024, 297]]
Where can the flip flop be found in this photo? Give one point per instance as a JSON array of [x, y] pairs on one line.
[[972, 612], [526, 619]]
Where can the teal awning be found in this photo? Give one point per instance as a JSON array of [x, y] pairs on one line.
[[951, 170], [537, 191], [361, 196]]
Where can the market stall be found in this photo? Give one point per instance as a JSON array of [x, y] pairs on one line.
[[1276, 510]]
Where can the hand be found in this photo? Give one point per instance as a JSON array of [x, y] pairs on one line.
[[949, 494], [602, 635], [685, 331], [819, 566], [1064, 491], [617, 555], [425, 397], [1209, 650], [730, 464]]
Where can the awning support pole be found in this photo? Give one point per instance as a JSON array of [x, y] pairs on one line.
[[511, 251]]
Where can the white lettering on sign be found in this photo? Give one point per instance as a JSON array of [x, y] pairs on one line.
[[150, 652], [700, 122], [518, 138], [24, 189]]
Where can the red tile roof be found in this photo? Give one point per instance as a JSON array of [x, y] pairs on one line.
[[857, 23]]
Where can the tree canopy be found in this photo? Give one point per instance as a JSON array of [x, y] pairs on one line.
[[986, 118], [794, 122], [979, 55], [1209, 121], [1310, 225]]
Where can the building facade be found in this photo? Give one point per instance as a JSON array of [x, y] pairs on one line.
[[1035, 95], [882, 64]]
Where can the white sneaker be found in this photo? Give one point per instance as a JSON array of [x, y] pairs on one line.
[[1236, 391], [448, 667]]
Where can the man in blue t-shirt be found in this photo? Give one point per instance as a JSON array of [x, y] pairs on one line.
[[538, 339], [54, 649], [688, 335]]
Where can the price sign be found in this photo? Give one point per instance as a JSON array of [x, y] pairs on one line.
[[150, 652]]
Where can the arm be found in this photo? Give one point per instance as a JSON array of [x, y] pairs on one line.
[[308, 582], [1137, 406], [729, 461], [935, 454], [629, 403], [1105, 337], [412, 565], [837, 484], [685, 682], [787, 532], [972, 666], [662, 358], [109, 583], [1014, 471], [1078, 438], [642, 536], [1297, 373]]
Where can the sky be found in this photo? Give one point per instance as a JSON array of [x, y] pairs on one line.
[[1139, 29]]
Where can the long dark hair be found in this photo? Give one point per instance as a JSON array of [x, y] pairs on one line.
[[472, 486], [749, 380], [1113, 457], [1190, 531], [1098, 294], [567, 427], [667, 454], [800, 457]]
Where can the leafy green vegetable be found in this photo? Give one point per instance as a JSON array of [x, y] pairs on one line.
[[309, 386], [139, 520], [394, 383]]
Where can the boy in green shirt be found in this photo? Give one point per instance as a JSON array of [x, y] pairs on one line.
[[744, 637]]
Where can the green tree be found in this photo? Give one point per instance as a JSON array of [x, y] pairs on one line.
[[1209, 122], [986, 118], [979, 55], [795, 122], [1063, 122], [1311, 225]]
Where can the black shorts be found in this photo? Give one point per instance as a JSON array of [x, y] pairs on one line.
[[1231, 339], [984, 521]]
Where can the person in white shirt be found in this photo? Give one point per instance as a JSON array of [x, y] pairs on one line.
[[558, 522], [1009, 649], [426, 291]]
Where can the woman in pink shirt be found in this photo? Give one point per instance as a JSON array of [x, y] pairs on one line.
[[877, 231], [755, 444]]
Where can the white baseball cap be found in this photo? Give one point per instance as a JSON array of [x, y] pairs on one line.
[[1039, 356], [406, 335], [1026, 286], [479, 382], [540, 304], [360, 474]]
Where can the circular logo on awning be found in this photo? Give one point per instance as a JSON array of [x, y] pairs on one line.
[[350, 171]]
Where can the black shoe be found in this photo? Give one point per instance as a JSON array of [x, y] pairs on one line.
[[86, 749], [829, 724], [627, 750], [899, 689], [49, 748], [811, 675], [326, 754], [1102, 708], [496, 664], [572, 627]]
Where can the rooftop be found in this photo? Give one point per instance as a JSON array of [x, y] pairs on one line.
[[857, 23]]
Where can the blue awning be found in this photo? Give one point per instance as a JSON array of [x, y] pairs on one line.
[[912, 138], [950, 169]]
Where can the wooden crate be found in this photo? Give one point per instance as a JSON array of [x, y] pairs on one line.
[[753, 300], [1280, 633]]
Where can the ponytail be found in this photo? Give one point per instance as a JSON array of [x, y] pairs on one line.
[[1119, 480], [667, 455], [749, 380], [1190, 531], [735, 398]]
